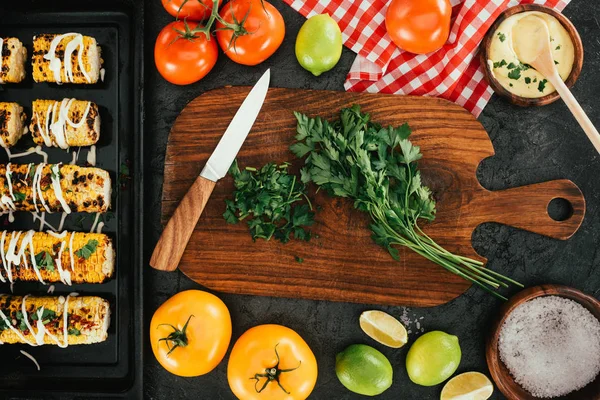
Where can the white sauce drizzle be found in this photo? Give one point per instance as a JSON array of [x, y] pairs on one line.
[[31, 150], [99, 228], [55, 62], [71, 252], [26, 354], [55, 177], [7, 270], [75, 156], [91, 157], [65, 276], [62, 221], [54, 131], [50, 289], [95, 223], [42, 218], [102, 73], [1, 81], [9, 181]]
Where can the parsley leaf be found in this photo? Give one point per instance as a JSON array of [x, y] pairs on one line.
[[273, 202], [501, 36], [299, 259], [555, 62], [514, 74], [527, 80], [88, 249], [558, 47], [19, 196], [74, 332], [376, 168], [499, 64], [47, 316], [44, 259], [542, 85]]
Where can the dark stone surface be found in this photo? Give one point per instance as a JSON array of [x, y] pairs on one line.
[[532, 145]]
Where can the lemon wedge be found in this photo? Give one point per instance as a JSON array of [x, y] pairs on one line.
[[383, 328], [468, 386]]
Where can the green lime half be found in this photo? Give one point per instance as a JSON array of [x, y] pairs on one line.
[[319, 44], [363, 370]]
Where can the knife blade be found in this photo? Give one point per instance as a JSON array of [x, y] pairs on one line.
[[222, 157], [176, 235]]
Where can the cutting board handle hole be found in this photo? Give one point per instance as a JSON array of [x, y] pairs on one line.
[[560, 209]]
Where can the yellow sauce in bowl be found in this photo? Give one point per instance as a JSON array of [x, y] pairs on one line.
[[517, 77]]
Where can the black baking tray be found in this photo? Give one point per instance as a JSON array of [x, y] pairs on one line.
[[113, 368]]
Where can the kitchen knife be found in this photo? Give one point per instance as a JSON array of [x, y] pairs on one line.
[[177, 233]]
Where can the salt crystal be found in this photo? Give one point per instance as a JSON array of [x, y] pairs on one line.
[[551, 346]]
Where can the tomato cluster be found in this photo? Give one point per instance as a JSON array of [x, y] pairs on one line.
[[190, 335], [248, 32]]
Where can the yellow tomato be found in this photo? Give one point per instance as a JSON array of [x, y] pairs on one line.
[[190, 333], [271, 362]]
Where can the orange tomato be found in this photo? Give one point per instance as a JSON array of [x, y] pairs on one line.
[[271, 362], [190, 333], [419, 26], [252, 32]]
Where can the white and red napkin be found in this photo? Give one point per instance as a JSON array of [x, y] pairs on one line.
[[453, 72]]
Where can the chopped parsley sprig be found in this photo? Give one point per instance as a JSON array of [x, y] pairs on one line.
[[273, 202], [376, 167]]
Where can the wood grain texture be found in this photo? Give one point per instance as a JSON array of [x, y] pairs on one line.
[[498, 370], [176, 235], [489, 36], [343, 264]]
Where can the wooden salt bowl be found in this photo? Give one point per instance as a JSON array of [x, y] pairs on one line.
[[500, 374]]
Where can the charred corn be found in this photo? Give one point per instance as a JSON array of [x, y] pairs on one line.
[[54, 188], [12, 124], [65, 123], [67, 257], [12, 60], [53, 320], [69, 57]]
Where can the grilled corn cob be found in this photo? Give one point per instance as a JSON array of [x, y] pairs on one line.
[[67, 257], [65, 123], [70, 57], [54, 188], [43, 321], [12, 124], [12, 60]]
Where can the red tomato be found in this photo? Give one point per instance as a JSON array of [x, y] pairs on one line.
[[252, 32], [194, 10], [182, 56], [419, 26]]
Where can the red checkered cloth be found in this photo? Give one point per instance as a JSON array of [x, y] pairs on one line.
[[453, 72]]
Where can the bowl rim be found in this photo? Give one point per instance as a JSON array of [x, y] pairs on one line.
[[495, 365], [577, 61]]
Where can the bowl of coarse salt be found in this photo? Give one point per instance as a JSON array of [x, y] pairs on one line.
[[545, 343]]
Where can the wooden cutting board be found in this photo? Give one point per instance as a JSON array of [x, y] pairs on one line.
[[343, 264]]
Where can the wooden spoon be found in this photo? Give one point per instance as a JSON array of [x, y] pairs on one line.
[[536, 52]]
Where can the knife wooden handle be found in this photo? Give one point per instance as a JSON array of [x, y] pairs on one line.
[[177, 233]]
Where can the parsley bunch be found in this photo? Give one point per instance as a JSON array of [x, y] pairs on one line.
[[269, 199], [377, 168]]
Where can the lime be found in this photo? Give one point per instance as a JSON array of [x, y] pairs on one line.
[[363, 370], [433, 358], [383, 328], [468, 386], [319, 44]]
